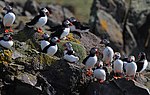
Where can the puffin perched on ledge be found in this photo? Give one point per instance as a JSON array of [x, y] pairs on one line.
[[142, 63], [49, 46], [69, 53], [61, 31], [90, 60], [9, 18], [6, 41], [39, 20]]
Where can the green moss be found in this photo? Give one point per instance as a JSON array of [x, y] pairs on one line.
[[46, 59], [78, 48]]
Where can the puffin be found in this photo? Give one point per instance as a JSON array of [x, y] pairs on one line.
[[100, 72], [61, 31], [8, 19], [49, 47], [130, 68], [77, 27], [117, 66], [69, 54], [39, 20], [142, 62], [107, 53], [6, 41], [90, 60]]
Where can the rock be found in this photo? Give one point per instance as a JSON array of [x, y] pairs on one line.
[[116, 8], [103, 25], [31, 6], [139, 17], [59, 13], [117, 87], [64, 77], [89, 40]]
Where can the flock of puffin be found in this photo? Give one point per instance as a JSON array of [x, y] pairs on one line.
[[126, 67]]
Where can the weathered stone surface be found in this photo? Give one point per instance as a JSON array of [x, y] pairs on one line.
[[117, 87], [103, 25]]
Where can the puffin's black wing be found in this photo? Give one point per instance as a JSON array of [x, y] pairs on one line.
[[55, 28], [84, 61], [57, 33], [139, 65], [33, 21]]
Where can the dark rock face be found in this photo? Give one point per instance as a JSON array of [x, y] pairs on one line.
[[104, 25], [117, 87], [64, 77], [31, 6]]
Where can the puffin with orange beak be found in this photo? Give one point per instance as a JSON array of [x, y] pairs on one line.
[[8, 19], [63, 30], [6, 41], [90, 61], [40, 20]]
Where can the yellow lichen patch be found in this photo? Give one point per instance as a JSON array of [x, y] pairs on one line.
[[71, 38], [46, 59], [104, 24], [6, 56]]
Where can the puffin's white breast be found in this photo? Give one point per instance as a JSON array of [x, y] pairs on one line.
[[118, 66], [52, 50], [131, 68], [144, 65], [6, 44], [71, 58], [44, 44], [108, 54], [41, 22], [9, 19], [65, 33], [91, 61], [100, 74]]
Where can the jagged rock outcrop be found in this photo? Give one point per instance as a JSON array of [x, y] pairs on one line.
[[117, 87], [104, 25], [139, 17]]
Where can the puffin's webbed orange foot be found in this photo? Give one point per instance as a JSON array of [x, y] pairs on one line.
[[6, 30]]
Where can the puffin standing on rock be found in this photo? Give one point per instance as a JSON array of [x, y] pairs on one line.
[[49, 47], [6, 41], [8, 19], [108, 53], [61, 31], [130, 68], [77, 26], [117, 65], [100, 73], [69, 54], [142, 63], [90, 60], [39, 20]]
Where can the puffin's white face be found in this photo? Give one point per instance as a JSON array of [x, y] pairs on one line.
[[67, 23], [72, 19], [131, 58], [45, 36], [94, 51], [45, 10], [55, 39], [7, 37], [117, 55]]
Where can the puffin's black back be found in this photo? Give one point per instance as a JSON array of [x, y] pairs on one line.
[[140, 65], [84, 61], [34, 20]]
